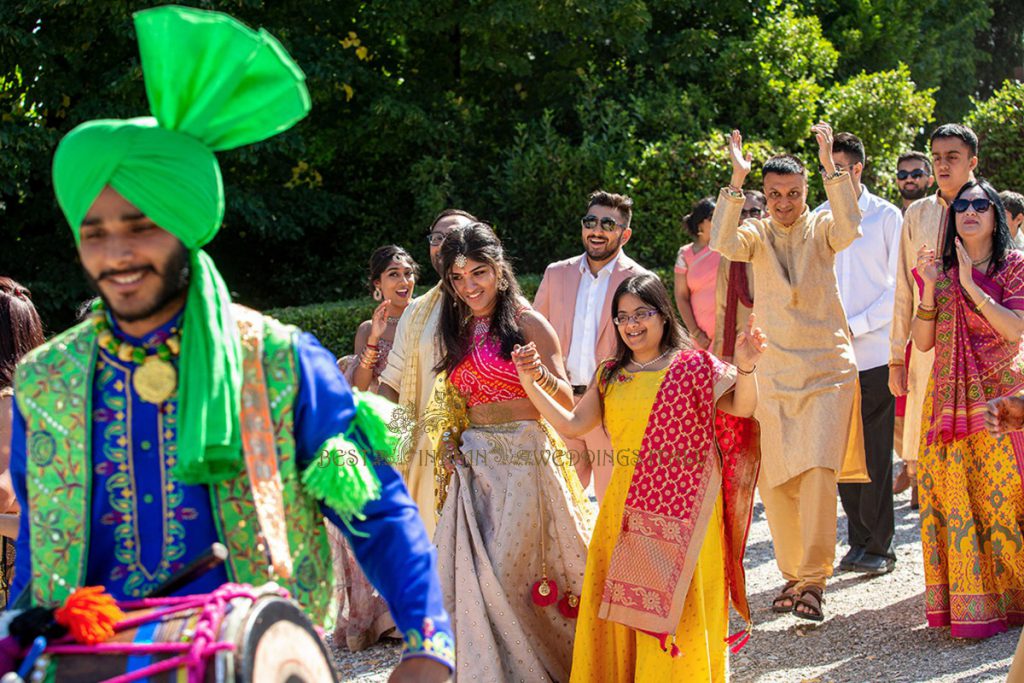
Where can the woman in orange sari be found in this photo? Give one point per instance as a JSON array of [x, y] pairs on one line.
[[667, 550], [972, 501]]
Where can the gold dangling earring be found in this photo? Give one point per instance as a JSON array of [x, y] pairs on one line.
[[377, 296]]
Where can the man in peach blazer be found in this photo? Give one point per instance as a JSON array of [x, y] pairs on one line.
[[575, 296]]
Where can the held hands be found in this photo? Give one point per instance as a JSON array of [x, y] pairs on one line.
[[379, 321], [1005, 414], [928, 265], [528, 362], [741, 163], [750, 346], [823, 133]]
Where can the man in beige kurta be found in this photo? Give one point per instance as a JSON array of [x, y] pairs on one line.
[[954, 152], [808, 406], [409, 376]]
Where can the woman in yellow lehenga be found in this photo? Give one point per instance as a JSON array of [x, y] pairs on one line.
[[972, 502], [667, 550]]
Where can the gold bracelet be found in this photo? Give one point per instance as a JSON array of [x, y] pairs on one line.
[[926, 315], [983, 303]]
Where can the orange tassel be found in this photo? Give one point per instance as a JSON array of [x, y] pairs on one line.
[[89, 615]]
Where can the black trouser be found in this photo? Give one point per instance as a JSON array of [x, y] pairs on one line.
[[869, 506]]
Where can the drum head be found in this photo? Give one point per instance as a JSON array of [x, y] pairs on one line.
[[278, 645]]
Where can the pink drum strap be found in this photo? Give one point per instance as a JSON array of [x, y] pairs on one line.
[[193, 655]]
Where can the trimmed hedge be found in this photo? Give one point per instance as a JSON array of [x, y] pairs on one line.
[[335, 323]]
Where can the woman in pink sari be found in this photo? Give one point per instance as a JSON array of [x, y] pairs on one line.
[[697, 274], [972, 500]]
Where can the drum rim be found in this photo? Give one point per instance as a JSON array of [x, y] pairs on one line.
[[257, 623]]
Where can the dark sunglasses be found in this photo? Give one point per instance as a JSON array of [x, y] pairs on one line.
[[916, 174], [980, 205], [607, 223]]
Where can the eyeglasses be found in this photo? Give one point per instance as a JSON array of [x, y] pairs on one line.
[[434, 239], [607, 223], [916, 174], [751, 213], [980, 205], [638, 317]]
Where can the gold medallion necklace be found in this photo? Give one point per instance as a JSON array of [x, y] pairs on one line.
[[154, 377]]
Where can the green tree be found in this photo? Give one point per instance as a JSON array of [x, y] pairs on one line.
[[997, 121], [887, 112]]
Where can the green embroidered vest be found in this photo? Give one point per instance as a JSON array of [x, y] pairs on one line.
[[53, 386]]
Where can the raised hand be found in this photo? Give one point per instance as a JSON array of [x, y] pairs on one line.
[[966, 266], [823, 134], [1005, 414], [927, 264], [379, 321], [750, 346], [741, 163], [527, 361]]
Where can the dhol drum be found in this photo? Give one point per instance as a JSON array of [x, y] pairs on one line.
[[235, 634]]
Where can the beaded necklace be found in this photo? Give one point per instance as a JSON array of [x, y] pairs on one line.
[[154, 377]]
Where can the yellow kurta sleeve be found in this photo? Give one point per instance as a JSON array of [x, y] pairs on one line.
[[845, 225], [903, 308], [734, 241]]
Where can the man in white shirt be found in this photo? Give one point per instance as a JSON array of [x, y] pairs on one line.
[[575, 296], [866, 274]]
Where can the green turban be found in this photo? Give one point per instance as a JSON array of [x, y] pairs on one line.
[[212, 84]]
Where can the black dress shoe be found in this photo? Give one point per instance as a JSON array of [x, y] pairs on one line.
[[851, 558], [875, 565]]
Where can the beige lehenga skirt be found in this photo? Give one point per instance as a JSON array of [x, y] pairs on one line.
[[514, 513]]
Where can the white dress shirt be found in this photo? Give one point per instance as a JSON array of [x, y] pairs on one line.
[[581, 363], [866, 273]]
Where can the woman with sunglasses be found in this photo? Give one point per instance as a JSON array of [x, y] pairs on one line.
[[696, 271], [972, 500], [667, 549]]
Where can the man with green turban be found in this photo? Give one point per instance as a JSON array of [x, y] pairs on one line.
[[173, 419]]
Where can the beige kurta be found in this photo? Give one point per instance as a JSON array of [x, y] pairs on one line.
[[922, 224], [721, 298], [410, 372], [809, 397]]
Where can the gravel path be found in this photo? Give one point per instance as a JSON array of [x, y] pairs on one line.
[[874, 628]]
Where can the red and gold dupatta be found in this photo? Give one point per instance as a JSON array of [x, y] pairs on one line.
[[689, 452], [973, 362]]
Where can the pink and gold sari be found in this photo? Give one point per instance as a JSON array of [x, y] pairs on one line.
[[972, 500]]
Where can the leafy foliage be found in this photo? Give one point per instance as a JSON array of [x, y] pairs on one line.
[[512, 109], [997, 121]]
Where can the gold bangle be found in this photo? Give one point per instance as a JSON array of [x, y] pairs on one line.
[[983, 303], [926, 315]]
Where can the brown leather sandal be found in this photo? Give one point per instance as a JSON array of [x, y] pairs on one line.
[[813, 610], [787, 593]]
